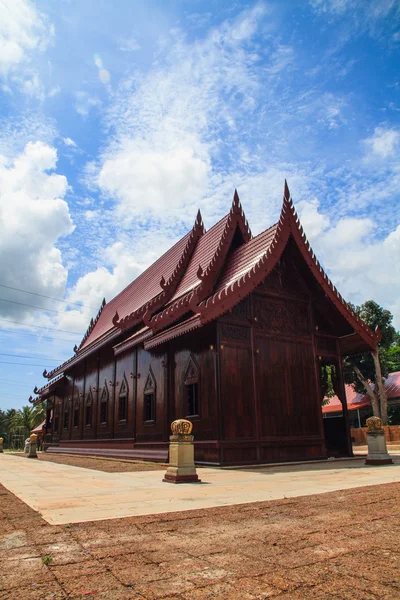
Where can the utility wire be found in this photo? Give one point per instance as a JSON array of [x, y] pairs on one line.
[[8, 287], [41, 327], [43, 337], [15, 382], [59, 312], [57, 360], [4, 362]]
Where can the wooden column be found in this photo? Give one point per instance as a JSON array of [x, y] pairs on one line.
[[343, 400]]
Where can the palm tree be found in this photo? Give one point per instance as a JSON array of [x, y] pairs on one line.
[[28, 417]]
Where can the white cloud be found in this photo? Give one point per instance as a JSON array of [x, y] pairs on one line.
[[360, 265], [140, 177], [33, 216], [129, 45], [68, 142], [166, 122], [23, 30], [384, 142], [85, 102]]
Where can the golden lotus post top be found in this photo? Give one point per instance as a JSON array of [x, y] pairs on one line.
[[374, 425], [33, 437], [1, 441], [181, 427]]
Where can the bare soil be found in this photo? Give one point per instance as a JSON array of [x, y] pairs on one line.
[[339, 545], [109, 465]]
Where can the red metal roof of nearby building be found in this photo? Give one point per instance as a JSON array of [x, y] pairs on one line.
[[39, 428], [356, 400]]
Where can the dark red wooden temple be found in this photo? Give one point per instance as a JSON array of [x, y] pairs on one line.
[[225, 329]]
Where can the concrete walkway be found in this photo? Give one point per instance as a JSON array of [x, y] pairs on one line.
[[65, 494]]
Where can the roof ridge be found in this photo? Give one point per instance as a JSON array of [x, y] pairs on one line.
[[168, 287], [90, 328], [208, 276]]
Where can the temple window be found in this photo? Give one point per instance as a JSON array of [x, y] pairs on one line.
[[66, 419], [103, 413], [191, 383], [149, 404], [56, 421], [192, 399], [122, 408], [76, 416], [88, 411], [123, 401], [104, 404]]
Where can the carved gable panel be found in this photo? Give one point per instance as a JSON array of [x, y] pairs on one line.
[[284, 279], [284, 317], [150, 384], [191, 372], [123, 390], [235, 333], [105, 393]]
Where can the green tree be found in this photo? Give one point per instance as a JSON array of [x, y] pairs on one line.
[[28, 417], [5, 420], [372, 367]]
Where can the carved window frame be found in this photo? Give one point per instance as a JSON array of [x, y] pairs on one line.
[[89, 405], [104, 402], [67, 411], [123, 396], [150, 395], [191, 381], [76, 413]]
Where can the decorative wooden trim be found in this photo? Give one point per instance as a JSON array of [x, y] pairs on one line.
[[173, 332], [145, 312], [91, 327], [289, 224], [208, 277]]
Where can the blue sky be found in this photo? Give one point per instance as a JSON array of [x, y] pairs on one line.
[[119, 120]]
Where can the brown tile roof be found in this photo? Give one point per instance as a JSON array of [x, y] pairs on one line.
[[202, 256], [245, 257], [202, 275], [139, 292]]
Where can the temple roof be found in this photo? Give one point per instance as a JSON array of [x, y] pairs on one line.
[[202, 276]]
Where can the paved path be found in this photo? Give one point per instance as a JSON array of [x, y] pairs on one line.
[[65, 494]]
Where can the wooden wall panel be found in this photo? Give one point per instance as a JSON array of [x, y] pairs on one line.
[[286, 388], [195, 349], [125, 375], [65, 433], [106, 387], [91, 375], [153, 364], [77, 402]]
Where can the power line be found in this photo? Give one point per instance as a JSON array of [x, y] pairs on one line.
[[43, 337], [57, 360], [4, 362], [18, 383], [59, 312], [41, 327], [8, 287]]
